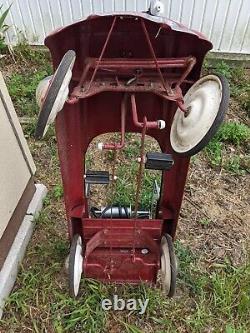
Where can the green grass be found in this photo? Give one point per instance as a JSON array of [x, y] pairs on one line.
[[224, 69], [233, 164], [235, 134], [213, 152], [221, 294], [205, 222], [238, 81], [127, 172], [3, 28], [40, 292], [23, 87], [40, 300], [209, 299], [22, 84], [127, 167], [58, 191], [125, 189]]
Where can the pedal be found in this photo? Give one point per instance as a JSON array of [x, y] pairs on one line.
[[159, 161], [97, 177]]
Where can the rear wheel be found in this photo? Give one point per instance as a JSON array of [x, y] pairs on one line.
[[75, 265], [168, 266]]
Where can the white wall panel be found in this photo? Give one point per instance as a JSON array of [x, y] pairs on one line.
[[130, 5], [241, 37], [120, 5], [186, 12], [225, 22]]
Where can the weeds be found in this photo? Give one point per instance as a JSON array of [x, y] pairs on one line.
[[239, 83], [236, 134], [126, 185], [230, 293], [3, 28], [58, 191], [233, 164], [224, 69], [22, 88], [23, 83], [31, 56], [205, 222], [84, 314], [213, 152]]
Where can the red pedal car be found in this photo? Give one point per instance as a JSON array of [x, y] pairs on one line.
[[128, 73]]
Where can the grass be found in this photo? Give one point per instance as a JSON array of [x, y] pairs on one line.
[[233, 164], [231, 133], [126, 185], [39, 293], [127, 171], [58, 191], [209, 299], [40, 301], [234, 133], [23, 83], [3, 28], [214, 152], [205, 222], [238, 80], [23, 87]]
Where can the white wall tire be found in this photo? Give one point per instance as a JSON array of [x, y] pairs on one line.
[[42, 89], [207, 101], [55, 95], [168, 266], [75, 265]]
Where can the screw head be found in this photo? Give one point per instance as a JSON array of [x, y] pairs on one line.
[[144, 251]]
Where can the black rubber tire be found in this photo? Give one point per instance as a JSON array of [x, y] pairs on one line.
[[72, 264], [53, 92], [173, 265], [217, 122]]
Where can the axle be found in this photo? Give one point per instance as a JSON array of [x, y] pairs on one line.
[[118, 212]]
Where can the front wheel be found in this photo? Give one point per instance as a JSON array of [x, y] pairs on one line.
[[206, 103], [55, 90]]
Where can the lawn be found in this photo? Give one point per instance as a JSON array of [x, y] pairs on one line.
[[212, 242]]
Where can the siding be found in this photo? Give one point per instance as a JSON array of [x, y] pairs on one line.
[[225, 22]]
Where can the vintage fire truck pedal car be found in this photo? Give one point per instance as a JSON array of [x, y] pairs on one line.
[[128, 73]]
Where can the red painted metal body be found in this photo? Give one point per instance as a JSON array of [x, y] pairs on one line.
[[156, 60]]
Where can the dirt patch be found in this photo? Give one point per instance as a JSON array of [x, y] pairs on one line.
[[215, 215]]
